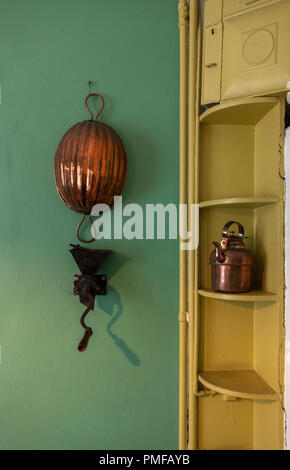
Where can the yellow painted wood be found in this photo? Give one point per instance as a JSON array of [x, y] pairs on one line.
[[247, 112], [240, 176], [234, 147], [245, 384], [265, 418], [235, 172], [253, 49], [224, 324], [255, 53], [183, 118], [212, 64], [252, 296], [269, 340], [236, 6], [231, 132], [212, 12], [193, 146], [223, 425], [240, 202]]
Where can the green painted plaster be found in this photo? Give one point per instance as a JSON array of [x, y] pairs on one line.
[[122, 393]]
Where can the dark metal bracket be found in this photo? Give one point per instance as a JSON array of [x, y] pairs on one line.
[[88, 284]]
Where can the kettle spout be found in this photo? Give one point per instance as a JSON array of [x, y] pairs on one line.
[[219, 253]]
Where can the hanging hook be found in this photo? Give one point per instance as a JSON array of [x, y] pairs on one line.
[[88, 332], [78, 229], [86, 105]]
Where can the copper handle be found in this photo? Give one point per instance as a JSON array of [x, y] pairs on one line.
[[228, 225], [86, 105]]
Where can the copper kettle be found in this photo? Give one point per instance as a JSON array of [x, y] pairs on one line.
[[231, 262]]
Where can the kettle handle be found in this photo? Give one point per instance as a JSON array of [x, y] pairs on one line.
[[228, 225]]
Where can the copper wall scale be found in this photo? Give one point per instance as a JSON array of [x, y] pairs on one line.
[[90, 167]]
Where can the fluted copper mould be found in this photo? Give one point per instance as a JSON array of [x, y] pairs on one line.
[[90, 165], [231, 262]]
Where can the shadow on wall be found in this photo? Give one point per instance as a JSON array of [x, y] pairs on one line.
[[112, 305]]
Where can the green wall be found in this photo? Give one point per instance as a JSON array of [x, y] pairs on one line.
[[122, 393]]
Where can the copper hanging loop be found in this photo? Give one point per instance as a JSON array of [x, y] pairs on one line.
[[86, 104], [78, 229]]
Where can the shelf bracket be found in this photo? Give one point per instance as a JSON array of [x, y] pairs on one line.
[[229, 398]]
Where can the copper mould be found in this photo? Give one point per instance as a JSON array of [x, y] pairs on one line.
[[90, 165], [88, 284], [231, 262]]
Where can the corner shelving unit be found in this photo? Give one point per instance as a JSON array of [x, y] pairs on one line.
[[240, 350]]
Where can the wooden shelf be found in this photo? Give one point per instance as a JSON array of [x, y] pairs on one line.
[[238, 383], [240, 202], [252, 296], [239, 112]]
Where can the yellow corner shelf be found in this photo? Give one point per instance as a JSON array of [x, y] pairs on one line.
[[239, 112], [252, 296], [245, 384], [240, 202]]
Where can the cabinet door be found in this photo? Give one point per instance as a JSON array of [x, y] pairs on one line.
[[235, 6], [212, 12], [256, 59], [211, 69]]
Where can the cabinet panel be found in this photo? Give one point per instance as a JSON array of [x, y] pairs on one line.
[[212, 12], [235, 6], [256, 60], [212, 56], [225, 425]]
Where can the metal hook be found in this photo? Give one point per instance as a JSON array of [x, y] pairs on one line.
[[78, 228], [88, 332], [86, 105]]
